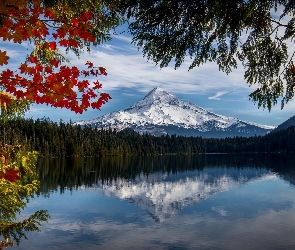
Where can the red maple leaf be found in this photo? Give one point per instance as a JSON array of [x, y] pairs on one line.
[[33, 59], [85, 16], [63, 42], [97, 85], [52, 45], [10, 175], [73, 43], [75, 22], [54, 62], [90, 64], [103, 71], [49, 13], [3, 58]]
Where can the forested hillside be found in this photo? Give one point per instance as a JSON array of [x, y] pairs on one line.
[[286, 124], [65, 139]]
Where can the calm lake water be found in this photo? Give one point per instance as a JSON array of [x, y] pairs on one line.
[[166, 202]]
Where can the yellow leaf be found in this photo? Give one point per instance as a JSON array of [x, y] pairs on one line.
[[3, 58]]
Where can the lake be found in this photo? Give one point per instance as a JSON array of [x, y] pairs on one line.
[[166, 202]]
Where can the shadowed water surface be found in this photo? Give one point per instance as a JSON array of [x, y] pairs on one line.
[[166, 202]]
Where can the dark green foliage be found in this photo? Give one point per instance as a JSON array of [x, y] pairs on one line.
[[253, 32], [17, 230], [52, 139], [65, 139]]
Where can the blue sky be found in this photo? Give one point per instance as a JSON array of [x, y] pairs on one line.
[[131, 77]]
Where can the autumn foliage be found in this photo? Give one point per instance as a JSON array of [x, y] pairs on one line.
[[11, 175], [46, 76]]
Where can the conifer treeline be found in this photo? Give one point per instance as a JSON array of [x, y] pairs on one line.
[[64, 139]]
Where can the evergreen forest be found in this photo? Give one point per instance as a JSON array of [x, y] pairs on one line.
[[61, 139]]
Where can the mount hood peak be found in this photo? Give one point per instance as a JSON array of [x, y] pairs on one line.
[[161, 113]]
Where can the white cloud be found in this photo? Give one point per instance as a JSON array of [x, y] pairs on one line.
[[128, 70], [218, 94], [220, 210]]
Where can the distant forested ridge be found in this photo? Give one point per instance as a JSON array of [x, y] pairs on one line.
[[65, 139], [286, 124]]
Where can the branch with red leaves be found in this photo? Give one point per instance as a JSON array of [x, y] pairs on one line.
[[45, 77]]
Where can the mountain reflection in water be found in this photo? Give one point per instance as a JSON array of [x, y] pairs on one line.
[[166, 202], [161, 185]]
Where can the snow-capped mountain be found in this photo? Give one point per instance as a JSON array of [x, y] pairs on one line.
[[163, 113]]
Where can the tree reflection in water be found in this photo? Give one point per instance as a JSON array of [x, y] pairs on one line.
[[18, 182], [106, 214], [60, 174]]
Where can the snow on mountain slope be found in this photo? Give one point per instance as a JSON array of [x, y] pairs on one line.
[[161, 112]]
